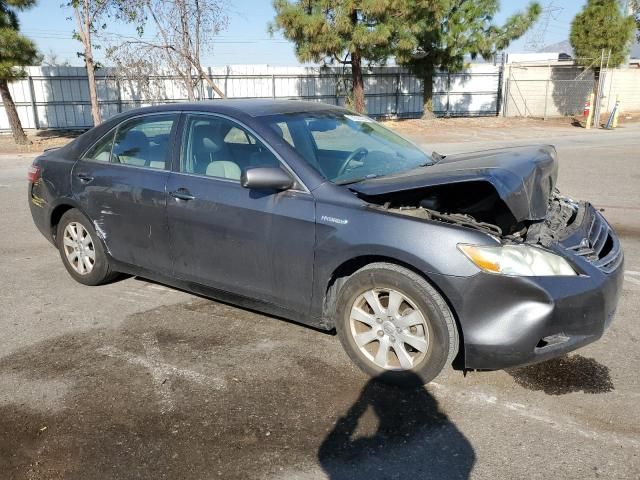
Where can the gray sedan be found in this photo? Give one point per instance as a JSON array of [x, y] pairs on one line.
[[322, 216]]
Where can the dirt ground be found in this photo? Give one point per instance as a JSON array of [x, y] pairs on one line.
[[40, 141]]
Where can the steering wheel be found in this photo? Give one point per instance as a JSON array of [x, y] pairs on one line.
[[352, 156]]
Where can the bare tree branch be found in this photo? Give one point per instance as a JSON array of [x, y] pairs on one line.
[[183, 30]]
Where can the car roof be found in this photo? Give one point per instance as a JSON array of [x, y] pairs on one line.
[[255, 107]]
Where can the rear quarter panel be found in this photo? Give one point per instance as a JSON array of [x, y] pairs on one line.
[[52, 189]]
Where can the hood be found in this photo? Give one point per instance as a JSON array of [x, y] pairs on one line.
[[523, 177]]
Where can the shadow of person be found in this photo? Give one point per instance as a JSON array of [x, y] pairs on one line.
[[412, 438]]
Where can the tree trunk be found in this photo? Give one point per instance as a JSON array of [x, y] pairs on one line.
[[357, 89], [83, 21], [12, 114], [93, 91], [427, 93], [189, 83]]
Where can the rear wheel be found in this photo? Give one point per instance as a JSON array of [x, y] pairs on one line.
[[393, 323], [81, 250]]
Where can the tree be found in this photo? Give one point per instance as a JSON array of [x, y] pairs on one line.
[[601, 26], [16, 51], [183, 30], [341, 31], [440, 34], [634, 5], [635, 8], [89, 16]]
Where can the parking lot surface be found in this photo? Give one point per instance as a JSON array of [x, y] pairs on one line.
[[138, 380]]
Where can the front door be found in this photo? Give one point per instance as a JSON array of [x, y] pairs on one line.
[[121, 185], [254, 243]]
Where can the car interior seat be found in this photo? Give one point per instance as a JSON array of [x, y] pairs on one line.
[[132, 149]]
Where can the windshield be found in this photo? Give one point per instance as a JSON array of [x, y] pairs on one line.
[[345, 147]]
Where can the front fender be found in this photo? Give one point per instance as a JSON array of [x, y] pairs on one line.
[[346, 232]]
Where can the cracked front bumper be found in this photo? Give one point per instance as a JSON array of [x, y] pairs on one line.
[[509, 321]]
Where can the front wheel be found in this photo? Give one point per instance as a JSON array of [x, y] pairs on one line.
[[394, 324], [81, 251]]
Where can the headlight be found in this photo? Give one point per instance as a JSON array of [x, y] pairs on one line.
[[520, 260]]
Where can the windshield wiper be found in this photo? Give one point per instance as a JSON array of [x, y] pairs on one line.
[[357, 180]]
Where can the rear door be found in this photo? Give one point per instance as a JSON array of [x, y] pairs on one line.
[[253, 243], [121, 185]]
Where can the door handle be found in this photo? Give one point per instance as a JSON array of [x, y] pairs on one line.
[[182, 194], [84, 178]]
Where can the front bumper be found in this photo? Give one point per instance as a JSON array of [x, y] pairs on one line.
[[505, 320], [510, 321]]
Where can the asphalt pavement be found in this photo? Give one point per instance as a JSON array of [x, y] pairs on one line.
[[138, 380]]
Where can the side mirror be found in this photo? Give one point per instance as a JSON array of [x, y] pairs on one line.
[[266, 178]]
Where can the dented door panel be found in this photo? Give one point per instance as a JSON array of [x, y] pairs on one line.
[[127, 205]]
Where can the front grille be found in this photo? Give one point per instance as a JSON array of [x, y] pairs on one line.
[[600, 247]]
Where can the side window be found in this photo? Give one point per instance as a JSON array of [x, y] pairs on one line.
[[101, 151], [217, 147], [144, 141], [237, 135]]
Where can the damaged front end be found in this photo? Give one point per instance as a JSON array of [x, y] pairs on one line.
[[556, 262], [575, 227]]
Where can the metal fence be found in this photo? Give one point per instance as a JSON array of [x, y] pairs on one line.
[[58, 97], [546, 98]]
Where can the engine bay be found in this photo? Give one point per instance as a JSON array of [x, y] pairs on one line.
[[477, 205]]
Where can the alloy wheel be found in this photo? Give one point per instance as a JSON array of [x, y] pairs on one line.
[[389, 329], [79, 248]]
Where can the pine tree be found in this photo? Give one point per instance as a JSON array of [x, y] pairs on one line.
[[439, 34], [599, 27], [16, 51], [344, 31]]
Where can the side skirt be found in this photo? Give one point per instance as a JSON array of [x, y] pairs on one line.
[[224, 296]]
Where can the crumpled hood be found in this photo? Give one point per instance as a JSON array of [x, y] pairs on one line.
[[523, 177]]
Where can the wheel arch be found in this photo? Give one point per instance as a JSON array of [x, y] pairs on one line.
[[348, 267], [62, 207]]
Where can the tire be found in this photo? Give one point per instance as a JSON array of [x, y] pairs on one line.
[[432, 332], [100, 271]]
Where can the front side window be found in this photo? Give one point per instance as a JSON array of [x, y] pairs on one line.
[[345, 147], [144, 141], [218, 147]]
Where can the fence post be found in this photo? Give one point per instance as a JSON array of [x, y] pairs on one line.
[[273, 85], [500, 89], [546, 97], [119, 94], [505, 98], [398, 80], [226, 78], [34, 108], [448, 91], [601, 76]]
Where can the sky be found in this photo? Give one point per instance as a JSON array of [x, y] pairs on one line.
[[246, 40]]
